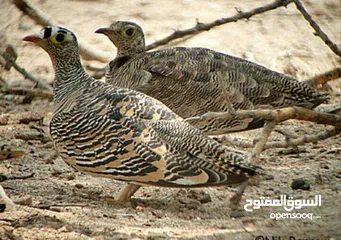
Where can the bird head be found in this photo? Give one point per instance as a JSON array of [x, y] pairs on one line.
[[56, 41], [128, 37]]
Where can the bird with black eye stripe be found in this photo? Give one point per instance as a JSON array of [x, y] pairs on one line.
[[125, 135], [194, 81]]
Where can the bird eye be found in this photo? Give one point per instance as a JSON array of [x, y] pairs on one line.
[[60, 37], [129, 32]]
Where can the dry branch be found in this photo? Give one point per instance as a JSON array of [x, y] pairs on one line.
[[23, 117], [330, 132], [34, 135], [17, 177], [323, 78], [277, 115], [49, 206], [11, 52], [289, 142], [85, 49], [200, 27], [26, 74], [31, 93], [318, 30], [273, 117]]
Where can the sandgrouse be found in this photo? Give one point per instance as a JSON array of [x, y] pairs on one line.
[[193, 81], [122, 134]]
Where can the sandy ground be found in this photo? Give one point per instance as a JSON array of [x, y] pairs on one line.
[[63, 204]]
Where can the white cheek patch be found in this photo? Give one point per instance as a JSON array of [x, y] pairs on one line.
[[53, 31], [69, 37], [65, 32]]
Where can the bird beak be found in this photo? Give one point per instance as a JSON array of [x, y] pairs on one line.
[[104, 30], [32, 38]]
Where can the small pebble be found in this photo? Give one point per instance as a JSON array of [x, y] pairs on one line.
[[68, 176], [300, 184], [56, 209], [79, 185], [236, 214], [58, 197], [205, 198], [56, 173], [326, 166], [27, 201], [269, 177], [268, 193], [336, 187], [48, 145], [63, 229], [158, 213]]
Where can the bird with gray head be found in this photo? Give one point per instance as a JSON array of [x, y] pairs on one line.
[[193, 81], [126, 135]]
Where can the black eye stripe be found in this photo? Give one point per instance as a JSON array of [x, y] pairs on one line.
[[47, 32], [62, 31]]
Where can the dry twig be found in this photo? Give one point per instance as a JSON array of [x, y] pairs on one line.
[[288, 142], [23, 117], [28, 92], [34, 135], [318, 30], [277, 115], [49, 206], [200, 27], [16, 177], [85, 49], [26, 74], [273, 117], [323, 78]]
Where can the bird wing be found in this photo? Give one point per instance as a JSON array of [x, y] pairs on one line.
[[113, 136], [187, 85], [194, 81]]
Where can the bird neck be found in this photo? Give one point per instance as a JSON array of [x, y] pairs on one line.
[[131, 50], [69, 76]]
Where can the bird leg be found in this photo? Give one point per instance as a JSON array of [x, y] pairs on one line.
[[269, 126], [254, 158], [235, 199], [125, 194]]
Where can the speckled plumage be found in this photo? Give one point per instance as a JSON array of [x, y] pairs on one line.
[[193, 81], [126, 135]]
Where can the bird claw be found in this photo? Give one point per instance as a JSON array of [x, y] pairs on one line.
[[124, 196]]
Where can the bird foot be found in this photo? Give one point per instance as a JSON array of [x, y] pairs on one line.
[[124, 196]]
